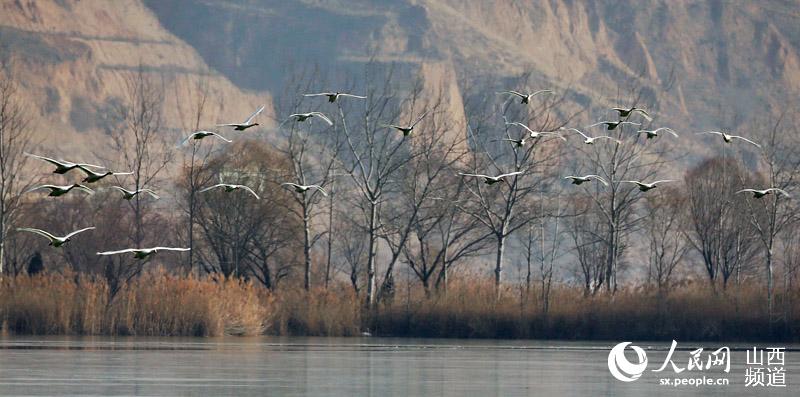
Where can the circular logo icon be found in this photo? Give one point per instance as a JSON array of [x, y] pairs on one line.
[[621, 368]]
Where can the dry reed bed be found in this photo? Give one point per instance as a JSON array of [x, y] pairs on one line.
[[162, 304]]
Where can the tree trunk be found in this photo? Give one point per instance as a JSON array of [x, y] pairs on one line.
[[370, 299], [306, 251], [498, 267]]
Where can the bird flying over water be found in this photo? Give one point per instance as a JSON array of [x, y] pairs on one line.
[[247, 123], [55, 241]]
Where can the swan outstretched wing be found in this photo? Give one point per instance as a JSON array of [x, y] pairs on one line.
[[40, 232], [252, 116], [78, 231]]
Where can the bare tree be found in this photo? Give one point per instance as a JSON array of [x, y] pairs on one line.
[[192, 101], [140, 147], [722, 237], [773, 215], [375, 155], [15, 139], [242, 235], [587, 232], [313, 154], [665, 223], [504, 207]]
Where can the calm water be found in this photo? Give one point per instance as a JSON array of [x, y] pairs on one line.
[[344, 367]]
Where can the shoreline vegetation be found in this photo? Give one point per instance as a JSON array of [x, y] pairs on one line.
[[161, 304]]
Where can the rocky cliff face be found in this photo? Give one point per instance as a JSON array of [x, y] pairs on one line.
[[703, 64], [71, 59]]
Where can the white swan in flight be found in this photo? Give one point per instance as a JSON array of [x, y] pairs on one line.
[[130, 194], [491, 180], [648, 186], [406, 129], [55, 241], [247, 123], [761, 193], [198, 135], [142, 253], [56, 191], [92, 177], [612, 125], [304, 188], [627, 112], [654, 133], [333, 96], [589, 140], [728, 137], [577, 180], [229, 188], [62, 166], [525, 98], [536, 134], [300, 117]]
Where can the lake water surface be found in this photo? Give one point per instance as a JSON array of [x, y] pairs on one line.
[[348, 367]]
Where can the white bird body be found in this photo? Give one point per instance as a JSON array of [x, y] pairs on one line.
[[92, 177], [763, 192], [62, 166], [590, 140], [304, 188], [525, 98], [654, 133], [229, 188], [491, 180], [56, 191], [129, 194], [536, 134], [728, 137], [55, 241], [198, 135], [627, 112], [612, 125], [406, 130], [142, 253], [648, 186], [333, 96], [247, 123], [577, 180], [305, 116]]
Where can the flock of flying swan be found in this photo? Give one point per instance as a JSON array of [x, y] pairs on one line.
[[95, 173]]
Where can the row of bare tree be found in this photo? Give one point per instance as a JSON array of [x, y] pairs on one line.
[[396, 201]]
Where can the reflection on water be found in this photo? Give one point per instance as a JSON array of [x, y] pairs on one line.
[[338, 366]]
